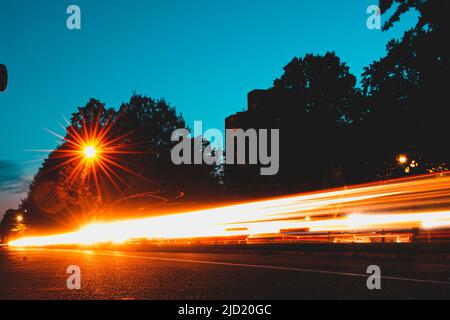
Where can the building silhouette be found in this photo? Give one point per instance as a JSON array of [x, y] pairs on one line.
[[244, 180]]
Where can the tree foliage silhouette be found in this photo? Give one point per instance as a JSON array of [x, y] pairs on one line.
[[314, 103], [8, 224], [335, 133], [140, 176], [406, 89]]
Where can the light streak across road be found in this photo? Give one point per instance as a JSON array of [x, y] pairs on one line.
[[421, 202]]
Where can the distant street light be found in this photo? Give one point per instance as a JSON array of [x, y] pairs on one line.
[[402, 159], [19, 218], [3, 77]]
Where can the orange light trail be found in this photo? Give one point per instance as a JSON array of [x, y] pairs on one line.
[[421, 202]]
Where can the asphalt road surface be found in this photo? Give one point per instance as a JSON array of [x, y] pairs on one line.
[[41, 274]]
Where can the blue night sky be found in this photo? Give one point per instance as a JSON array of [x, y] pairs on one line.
[[203, 56]]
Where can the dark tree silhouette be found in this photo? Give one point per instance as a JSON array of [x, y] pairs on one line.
[[11, 226], [432, 13], [318, 103], [153, 122], [136, 172], [407, 89], [314, 104], [334, 133], [7, 224], [321, 87]]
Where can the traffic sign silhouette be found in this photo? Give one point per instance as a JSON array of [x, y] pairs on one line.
[[3, 77]]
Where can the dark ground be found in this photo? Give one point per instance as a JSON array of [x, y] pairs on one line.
[[41, 274]]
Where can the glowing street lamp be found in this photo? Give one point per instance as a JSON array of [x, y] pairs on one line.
[[19, 218], [90, 152], [402, 159]]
